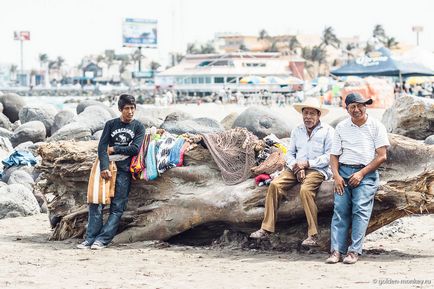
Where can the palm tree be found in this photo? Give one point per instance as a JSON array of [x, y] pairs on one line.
[[293, 44], [243, 47], [369, 48], [13, 71], [136, 56], [263, 34], [176, 58], [43, 58], [391, 42], [59, 61], [207, 48], [379, 33], [154, 65], [191, 48], [329, 38]]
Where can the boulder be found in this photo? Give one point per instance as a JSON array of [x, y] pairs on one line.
[[93, 117], [61, 119], [429, 140], [2, 184], [97, 135], [28, 169], [5, 149], [262, 123], [5, 133], [1, 107], [335, 122], [86, 103], [17, 200], [42, 112], [12, 104], [33, 131], [229, 120], [5, 122], [177, 116], [72, 131], [21, 177], [410, 116], [194, 126]]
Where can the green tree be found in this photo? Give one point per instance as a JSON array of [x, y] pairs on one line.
[[154, 65], [369, 48], [243, 47], [379, 33], [272, 48], [293, 43], [43, 59], [263, 34], [329, 38], [207, 48], [391, 42], [192, 49]]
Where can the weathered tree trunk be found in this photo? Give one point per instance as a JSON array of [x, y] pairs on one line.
[[193, 203]]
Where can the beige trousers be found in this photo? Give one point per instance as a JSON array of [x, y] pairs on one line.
[[279, 188]]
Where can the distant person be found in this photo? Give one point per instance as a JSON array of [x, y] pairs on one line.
[[120, 140], [358, 150], [308, 164]]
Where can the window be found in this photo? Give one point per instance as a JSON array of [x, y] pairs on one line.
[[219, 80], [201, 80], [231, 80], [207, 79], [194, 80]]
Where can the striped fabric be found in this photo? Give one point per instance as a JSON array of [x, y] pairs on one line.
[[99, 190], [356, 145]]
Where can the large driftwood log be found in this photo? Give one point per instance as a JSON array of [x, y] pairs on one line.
[[194, 204]]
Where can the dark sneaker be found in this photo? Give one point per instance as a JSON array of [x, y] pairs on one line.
[[84, 245], [97, 245], [351, 258], [334, 258]]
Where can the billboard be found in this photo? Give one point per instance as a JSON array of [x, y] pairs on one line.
[[22, 35], [139, 32]]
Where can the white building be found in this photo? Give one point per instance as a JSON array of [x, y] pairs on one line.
[[207, 73]]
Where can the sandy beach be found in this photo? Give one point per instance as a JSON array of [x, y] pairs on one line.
[[400, 254]]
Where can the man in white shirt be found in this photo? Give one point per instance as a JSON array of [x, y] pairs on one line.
[[308, 163], [359, 148]]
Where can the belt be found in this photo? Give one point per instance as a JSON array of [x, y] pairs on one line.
[[352, 166]]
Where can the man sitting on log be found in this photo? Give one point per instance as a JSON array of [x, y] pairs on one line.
[[121, 139], [359, 148], [308, 162]]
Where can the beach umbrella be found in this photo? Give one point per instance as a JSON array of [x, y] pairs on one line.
[[419, 80], [253, 80]]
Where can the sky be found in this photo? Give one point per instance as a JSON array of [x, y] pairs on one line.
[[75, 28]]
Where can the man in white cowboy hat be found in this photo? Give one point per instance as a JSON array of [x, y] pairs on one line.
[[308, 164]]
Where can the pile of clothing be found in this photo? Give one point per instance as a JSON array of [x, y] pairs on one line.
[[270, 160], [159, 152]]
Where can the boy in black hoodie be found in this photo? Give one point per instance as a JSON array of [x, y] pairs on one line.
[[120, 141]]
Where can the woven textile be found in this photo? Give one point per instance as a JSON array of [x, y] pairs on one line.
[[99, 190], [233, 151]]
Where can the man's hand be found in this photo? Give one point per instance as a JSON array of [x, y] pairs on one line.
[[111, 150], [355, 179], [339, 185], [106, 174], [301, 165], [301, 175]]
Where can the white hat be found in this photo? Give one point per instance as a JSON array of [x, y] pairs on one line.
[[310, 102]]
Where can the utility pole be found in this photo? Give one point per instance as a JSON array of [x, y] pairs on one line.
[[22, 36], [417, 29]]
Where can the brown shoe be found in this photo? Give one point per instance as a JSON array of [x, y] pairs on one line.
[[311, 241], [260, 234], [351, 258], [334, 258]]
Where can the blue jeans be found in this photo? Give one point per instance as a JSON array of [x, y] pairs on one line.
[[353, 209], [96, 231]]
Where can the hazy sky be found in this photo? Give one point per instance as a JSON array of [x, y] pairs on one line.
[[74, 28]]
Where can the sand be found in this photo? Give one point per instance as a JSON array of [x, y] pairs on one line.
[[28, 260]]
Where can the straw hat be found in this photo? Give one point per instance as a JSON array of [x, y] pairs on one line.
[[310, 102]]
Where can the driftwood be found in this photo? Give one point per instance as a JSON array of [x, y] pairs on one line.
[[192, 204]]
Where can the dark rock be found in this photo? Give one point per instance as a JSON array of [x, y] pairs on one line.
[[42, 112], [229, 120], [410, 116], [21, 177], [194, 126], [5, 122], [17, 200], [5, 133], [262, 123], [335, 122], [61, 119], [33, 131], [12, 104], [86, 103]]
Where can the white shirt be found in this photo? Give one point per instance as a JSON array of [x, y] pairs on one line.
[[315, 149], [356, 145]]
